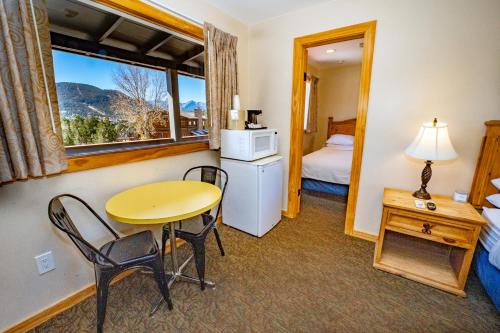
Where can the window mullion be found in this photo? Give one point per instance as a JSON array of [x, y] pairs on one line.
[[174, 106]]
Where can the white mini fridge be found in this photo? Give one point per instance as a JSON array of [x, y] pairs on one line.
[[253, 198]]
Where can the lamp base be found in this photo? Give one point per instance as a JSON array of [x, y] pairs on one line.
[[422, 194], [426, 176]]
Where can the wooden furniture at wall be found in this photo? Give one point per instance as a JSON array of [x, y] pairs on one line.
[[430, 247], [341, 127], [488, 166]]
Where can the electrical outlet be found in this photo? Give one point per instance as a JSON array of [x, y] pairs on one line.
[[45, 262]]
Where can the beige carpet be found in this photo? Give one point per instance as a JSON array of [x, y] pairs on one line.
[[303, 276]]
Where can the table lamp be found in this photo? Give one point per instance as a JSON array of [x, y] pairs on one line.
[[431, 144]]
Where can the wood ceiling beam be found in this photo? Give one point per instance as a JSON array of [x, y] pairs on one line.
[[97, 50], [196, 51], [153, 14], [157, 43], [105, 34]]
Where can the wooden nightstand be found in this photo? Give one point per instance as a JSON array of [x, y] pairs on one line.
[[431, 247]]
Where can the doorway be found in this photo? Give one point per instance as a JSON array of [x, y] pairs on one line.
[[366, 32]]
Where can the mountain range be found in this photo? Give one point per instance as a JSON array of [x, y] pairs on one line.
[[88, 100], [191, 105]]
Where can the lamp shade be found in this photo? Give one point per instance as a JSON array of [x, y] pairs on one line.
[[432, 143]]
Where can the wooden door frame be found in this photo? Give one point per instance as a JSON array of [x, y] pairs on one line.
[[301, 44]]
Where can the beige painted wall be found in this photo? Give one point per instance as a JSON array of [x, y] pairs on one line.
[[337, 97], [26, 230], [432, 58]]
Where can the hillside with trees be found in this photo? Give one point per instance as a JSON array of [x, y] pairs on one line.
[[136, 111]]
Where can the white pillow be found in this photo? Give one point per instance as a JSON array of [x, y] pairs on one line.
[[341, 139], [493, 217], [496, 183], [494, 199]]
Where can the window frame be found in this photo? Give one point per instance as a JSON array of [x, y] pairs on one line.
[[93, 156]]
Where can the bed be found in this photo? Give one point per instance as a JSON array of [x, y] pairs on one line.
[[486, 268], [488, 274], [486, 170], [329, 169]]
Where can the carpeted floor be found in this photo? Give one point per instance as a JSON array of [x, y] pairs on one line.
[[303, 276]]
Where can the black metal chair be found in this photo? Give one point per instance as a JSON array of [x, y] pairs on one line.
[[114, 257], [197, 229]]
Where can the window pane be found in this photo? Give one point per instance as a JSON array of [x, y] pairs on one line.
[[102, 101], [306, 103], [193, 106]]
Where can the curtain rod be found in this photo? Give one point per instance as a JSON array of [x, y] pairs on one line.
[[162, 5]]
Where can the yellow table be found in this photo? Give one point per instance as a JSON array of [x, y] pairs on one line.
[[165, 203]]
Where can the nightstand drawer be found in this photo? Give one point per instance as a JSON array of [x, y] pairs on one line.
[[430, 228]]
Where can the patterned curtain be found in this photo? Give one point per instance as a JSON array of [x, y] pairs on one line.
[[221, 79], [30, 131], [312, 115]]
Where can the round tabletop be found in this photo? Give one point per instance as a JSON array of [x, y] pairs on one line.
[[163, 202]]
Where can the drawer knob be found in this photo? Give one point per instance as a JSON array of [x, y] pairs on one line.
[[427, 228], [449, 240]]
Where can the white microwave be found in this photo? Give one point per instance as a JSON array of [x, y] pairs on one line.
[[248, 145]]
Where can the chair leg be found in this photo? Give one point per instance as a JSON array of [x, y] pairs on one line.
[[164, 237], [161, 280], [219, 242], [103, 280], [199, 258]]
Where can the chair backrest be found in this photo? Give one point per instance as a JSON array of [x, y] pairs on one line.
[[209, 174], [59, 216]]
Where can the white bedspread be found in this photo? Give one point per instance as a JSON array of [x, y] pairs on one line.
[[490, 232], [329, 164], [490, 235]]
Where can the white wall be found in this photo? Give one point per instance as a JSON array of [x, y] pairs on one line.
[[432, 58], [26, 230]]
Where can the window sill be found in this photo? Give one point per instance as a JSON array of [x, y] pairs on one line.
[[99, 156]]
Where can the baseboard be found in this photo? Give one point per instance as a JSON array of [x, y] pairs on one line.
[[72, 300], [62, 305], [364, 235], [286, 214]]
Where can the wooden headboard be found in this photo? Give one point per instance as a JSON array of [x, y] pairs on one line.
[[341, 127], [488, 166]]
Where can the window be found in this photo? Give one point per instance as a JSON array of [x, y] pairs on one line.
[[193, 107], [306, 102], [103, 101], [125, 83]]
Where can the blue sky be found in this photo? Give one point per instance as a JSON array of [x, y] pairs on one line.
[[69, 67]]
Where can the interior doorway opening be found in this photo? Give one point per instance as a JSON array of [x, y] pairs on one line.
[[364, 35]]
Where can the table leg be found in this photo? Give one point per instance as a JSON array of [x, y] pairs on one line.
[[177, 274], [173, 248]]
